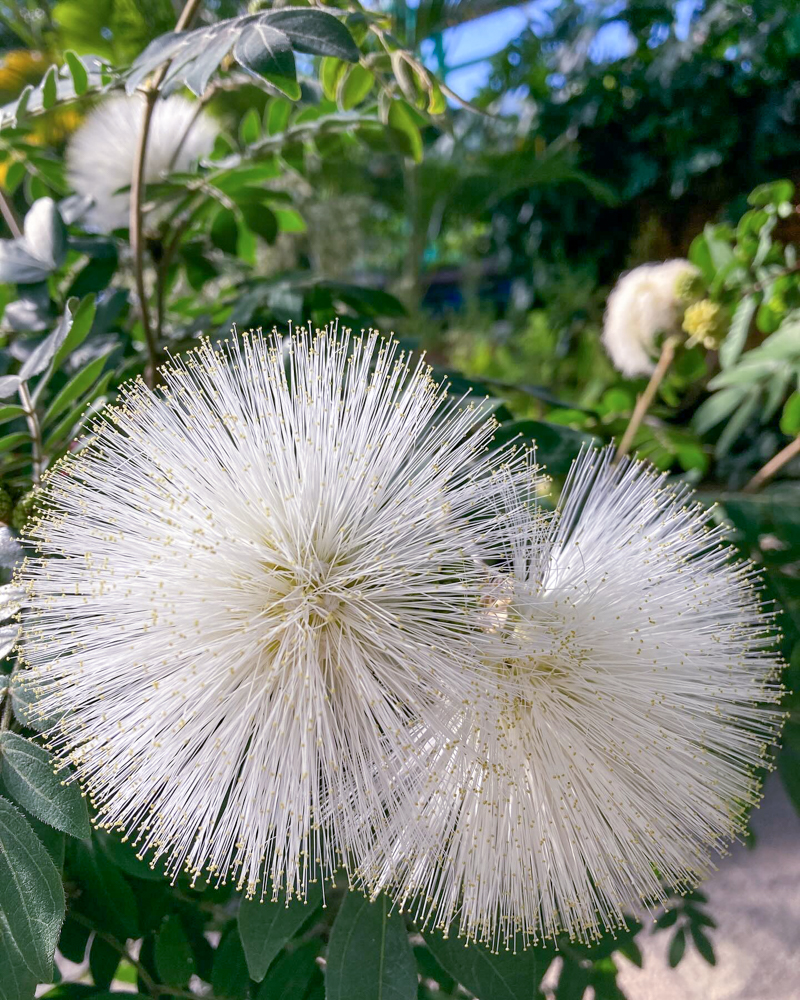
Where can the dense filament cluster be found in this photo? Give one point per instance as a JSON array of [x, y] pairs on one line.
[[249, 582], [295, 613], [640, 702]]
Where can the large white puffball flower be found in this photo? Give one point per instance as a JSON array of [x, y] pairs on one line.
[[643, 305], [640, 706], [250, 582], [101, 154]]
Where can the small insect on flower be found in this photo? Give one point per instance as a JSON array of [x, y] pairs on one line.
[[644, 303], [101, 154], [641, 702], [250, 581]]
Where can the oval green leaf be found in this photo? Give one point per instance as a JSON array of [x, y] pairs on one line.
[[31, 896], [369, 955], [28, 772], [266, 927]]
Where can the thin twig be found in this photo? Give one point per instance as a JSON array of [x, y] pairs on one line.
[[148, 981], [792, 450], [7, 714], [35, 431], [137, 184], [644, 402], [10, 216], [198, 109]]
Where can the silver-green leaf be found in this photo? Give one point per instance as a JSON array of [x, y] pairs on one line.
[[28, 773], [31, 895]]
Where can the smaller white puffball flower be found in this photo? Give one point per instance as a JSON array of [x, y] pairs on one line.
[[633, 713], [101, 154], [643, 304]]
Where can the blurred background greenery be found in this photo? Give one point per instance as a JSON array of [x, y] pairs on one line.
[[484, 218]]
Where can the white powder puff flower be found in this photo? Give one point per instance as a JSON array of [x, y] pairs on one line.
[[641, 702], [101, 153], [249, 582], [643, 304]]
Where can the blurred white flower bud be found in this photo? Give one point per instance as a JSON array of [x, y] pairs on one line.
[[101, 154], [644, 303]]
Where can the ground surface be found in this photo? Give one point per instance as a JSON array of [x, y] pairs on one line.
[[755, 899]]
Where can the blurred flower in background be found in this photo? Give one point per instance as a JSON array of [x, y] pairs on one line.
[[645, 302], [101, 154]]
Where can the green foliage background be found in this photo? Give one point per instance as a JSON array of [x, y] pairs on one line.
[[349, 181]]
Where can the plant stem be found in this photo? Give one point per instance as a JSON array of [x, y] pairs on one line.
[[10, 216], [7, 713], [148, 981], [137, 184], [792, 450], [644, 402], [135, 224], [35, 430], [199, 106]]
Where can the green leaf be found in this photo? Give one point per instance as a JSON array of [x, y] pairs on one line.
[[45, 233], [229, 978], [77, 417], [11, 412], [369, 955], [401, 118], [250, 127], [264, 51], [315, 32], [112, 995], [354, 87], [667, 919], [31, 896], [703, 944], [105, 895], [290, 220], [73, 940], [103, 962], [82, 317], [80, 78], [437, 105], [501, 976], [28, 773], [278, 115], [264, 928], [717, 408], [293, 975], [790, 418], [733, 344], [771, 193], [331, 72], [572, 981], [738, 421], [261, 220], [24, 700], [173, 954], [8, 385], [49, 93], [632, 951], [677, 947], [77, 385], [124, 856], [17, 982], [11, 441], [789, 770], [224, 231]]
